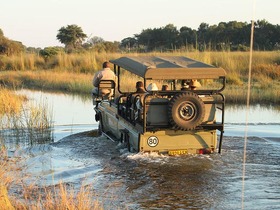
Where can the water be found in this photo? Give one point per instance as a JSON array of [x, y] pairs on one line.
[[71, 113], [149, 181]]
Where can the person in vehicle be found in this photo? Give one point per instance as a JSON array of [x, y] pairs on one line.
[[164, 87], [194, 84], [190, 85], [105, 74], [184, 85], [140, 87], [136, 98], [152, 87], [139, 102]]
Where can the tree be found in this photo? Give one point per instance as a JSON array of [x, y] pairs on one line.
[[145, 38], [48, 52], [93, 42], [9, 47], [96, 40], [266, 35], [187, 37], [72, 36], [202, 35], [170, 35], [129, 43]]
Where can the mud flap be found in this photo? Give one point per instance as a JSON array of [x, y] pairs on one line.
[[125, 139]]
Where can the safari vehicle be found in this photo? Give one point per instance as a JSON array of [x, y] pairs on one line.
[[174, 121]]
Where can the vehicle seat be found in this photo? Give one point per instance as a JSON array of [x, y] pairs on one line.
[[106, 89], [135, 105], [156, 111]]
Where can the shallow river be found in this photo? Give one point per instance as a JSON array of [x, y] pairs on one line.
[[122, 180]]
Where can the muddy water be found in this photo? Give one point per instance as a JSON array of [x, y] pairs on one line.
[[120, 179]]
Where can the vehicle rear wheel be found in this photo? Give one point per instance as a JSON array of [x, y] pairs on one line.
[[186, 111]]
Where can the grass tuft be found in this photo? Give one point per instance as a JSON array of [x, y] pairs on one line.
[[20, 120]]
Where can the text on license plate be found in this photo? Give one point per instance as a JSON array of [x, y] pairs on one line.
[[177, 152]]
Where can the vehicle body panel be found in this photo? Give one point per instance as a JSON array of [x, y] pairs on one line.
[[152, 127]]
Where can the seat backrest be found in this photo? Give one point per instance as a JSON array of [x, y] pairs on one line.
[[106, 89], [156, 109]]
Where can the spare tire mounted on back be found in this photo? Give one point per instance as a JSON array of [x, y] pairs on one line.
[[186, 111]]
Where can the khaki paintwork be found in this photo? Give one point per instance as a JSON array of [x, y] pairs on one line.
[[163, 138], [168, 67], [169, 140]]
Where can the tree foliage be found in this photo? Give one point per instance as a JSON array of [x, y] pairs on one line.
[[9, 47], [72, 36], [48, 52], [232, 35]]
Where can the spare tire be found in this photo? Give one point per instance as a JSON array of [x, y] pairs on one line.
[[186, 111]]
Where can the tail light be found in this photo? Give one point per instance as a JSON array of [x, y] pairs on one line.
[[204, 151]]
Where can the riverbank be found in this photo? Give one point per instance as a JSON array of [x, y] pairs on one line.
[[73, 73], [77, 83]]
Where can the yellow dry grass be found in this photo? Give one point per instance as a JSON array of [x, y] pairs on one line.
[[73, 72], [58, 197], [5, 180], [10, 103]]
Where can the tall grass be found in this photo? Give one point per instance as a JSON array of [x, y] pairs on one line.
[[6, 179], [73, 72], [20, 121], [48, 80], [90, 62], [10, 103]]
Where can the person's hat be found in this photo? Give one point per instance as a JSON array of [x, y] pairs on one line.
[[152, 87]]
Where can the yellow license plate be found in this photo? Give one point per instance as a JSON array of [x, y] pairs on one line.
[[178, 152]]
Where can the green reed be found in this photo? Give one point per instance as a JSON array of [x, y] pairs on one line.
[[24, 122]]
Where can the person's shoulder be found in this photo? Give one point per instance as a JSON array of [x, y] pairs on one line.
[[107, 69]]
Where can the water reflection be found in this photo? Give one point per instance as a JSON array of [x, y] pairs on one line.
[[74, 113], [257, 114], [263, 121]]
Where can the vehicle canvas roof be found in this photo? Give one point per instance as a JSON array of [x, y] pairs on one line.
[[168, 67]]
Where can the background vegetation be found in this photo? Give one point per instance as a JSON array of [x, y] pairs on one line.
[[73, 73], [232, 35], [71, 68], [225, 45], [225, 36]]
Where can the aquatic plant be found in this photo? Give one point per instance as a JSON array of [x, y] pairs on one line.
[[10, 103], [21, 121]]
